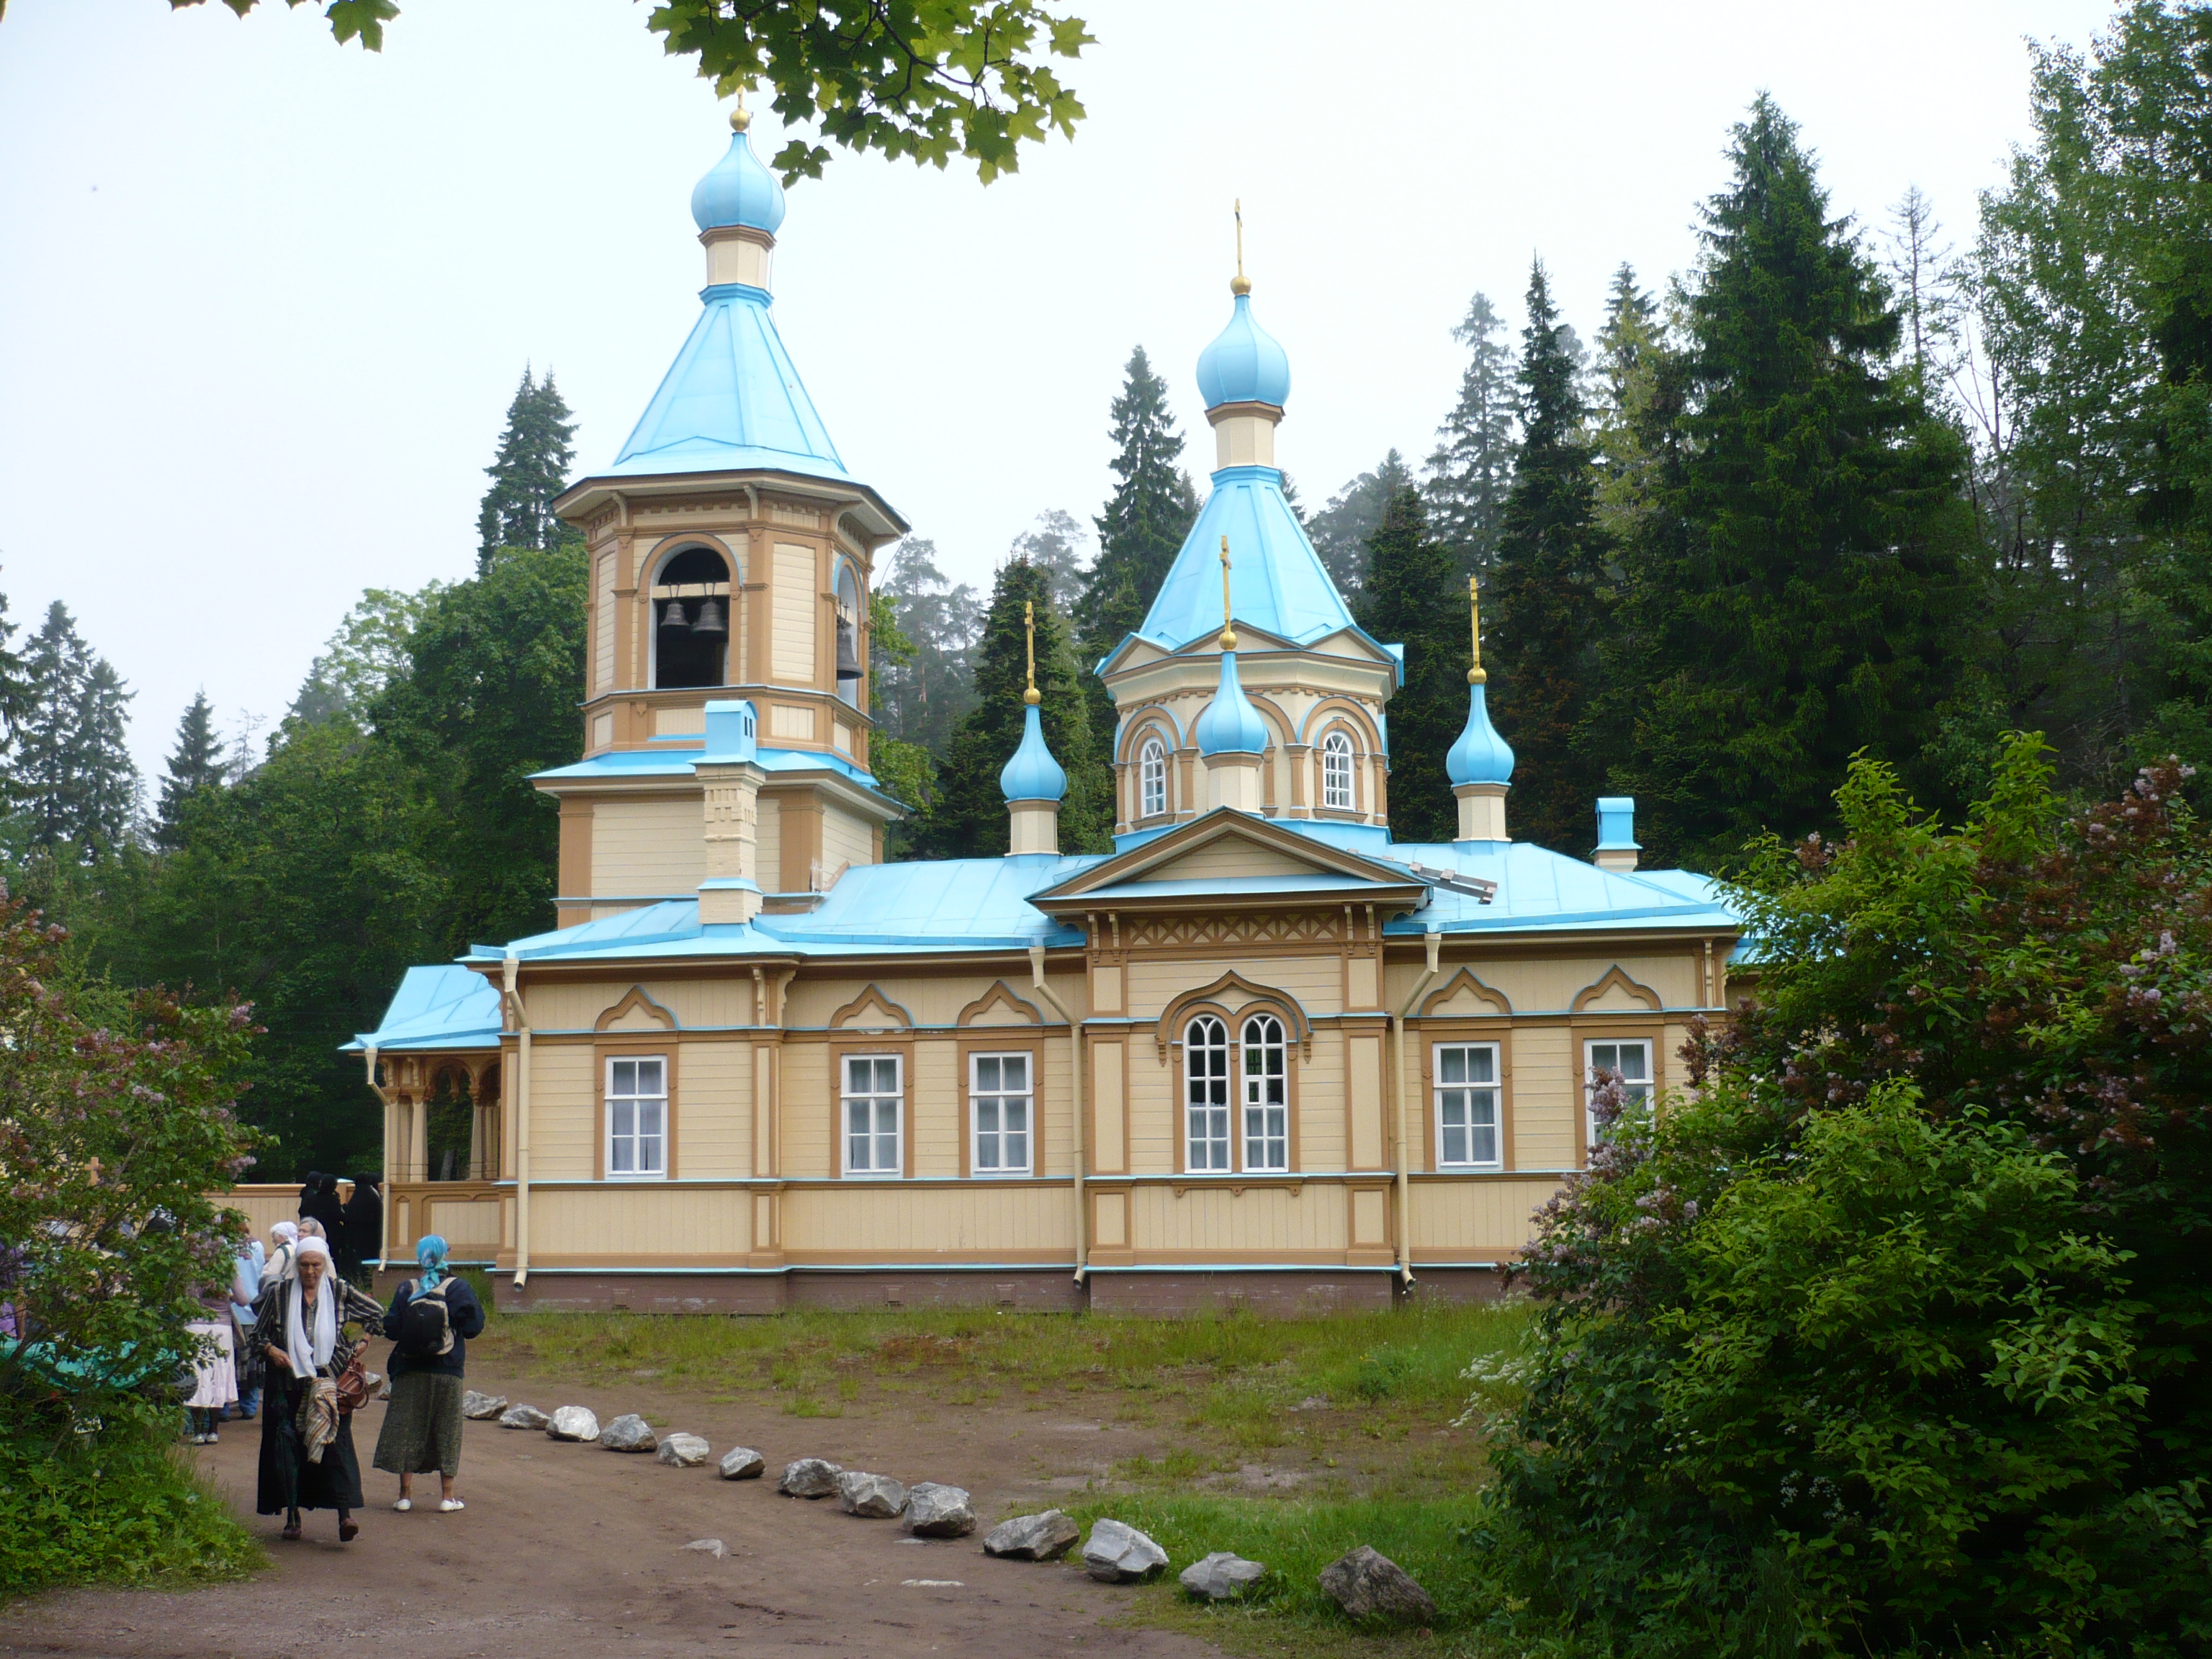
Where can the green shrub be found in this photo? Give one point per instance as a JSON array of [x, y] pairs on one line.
[[120, 1506]]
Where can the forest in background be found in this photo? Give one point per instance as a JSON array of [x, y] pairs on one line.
[[1841, 488]]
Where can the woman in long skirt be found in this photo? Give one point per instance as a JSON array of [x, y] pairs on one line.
[[421, 1432], [307, 1459]]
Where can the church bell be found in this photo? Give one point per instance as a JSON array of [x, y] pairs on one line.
[[673, 617], [848, 658], [710, 619]]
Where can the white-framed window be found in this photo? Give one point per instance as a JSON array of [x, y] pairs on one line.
[[1267, 1095], [637, 1117], [1336, 789], [873, 1103], [1206, 1094], [1468, 1106], [1152, 779], [1632, 1058], [1001, 1100]]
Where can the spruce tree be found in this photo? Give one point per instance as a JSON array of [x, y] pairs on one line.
[[1631, 347], [1795, 596], [1340, 531], [967, 819], [1140, 531], [1543, 593], [195, 764], [1472, 468], [1406, 601], [535, 453], [76, 783]]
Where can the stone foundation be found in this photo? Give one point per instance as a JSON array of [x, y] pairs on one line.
[[1296, 1294]]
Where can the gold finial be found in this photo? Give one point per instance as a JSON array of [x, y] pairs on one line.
[[1475, 674], [1227, 633], [1237, 285], [1032, 696], [740, 119]]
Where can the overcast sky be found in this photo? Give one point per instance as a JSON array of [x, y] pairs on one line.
[[263, 301]]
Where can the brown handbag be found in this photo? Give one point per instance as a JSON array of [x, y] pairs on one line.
[[353, 1384]]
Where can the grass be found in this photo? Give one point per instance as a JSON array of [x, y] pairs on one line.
[[118, 1506]]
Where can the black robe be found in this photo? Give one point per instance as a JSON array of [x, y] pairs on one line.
[[288, 1480], [361, 1235]]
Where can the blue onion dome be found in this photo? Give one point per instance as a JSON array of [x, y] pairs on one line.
[[1480, 756], [1230, 726], [1243, 364], [738, 190], [1033, 774]]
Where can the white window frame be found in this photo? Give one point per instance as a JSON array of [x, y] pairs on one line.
[[1262, 1121], [1636, 1088], [1219, 1105], [998, 1101], [637, 1101], [1474, 1088], [1339, 776], [1152, 779], [876, 1098]]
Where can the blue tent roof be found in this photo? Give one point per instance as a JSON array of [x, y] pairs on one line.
[[731, 400], [446, 1006], [1281, 587]]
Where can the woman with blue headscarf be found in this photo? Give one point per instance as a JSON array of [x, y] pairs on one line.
[[431, 1318]]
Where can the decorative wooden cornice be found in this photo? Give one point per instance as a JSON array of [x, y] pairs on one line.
[[1613, 979]]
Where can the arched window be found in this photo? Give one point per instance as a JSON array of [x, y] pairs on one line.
[[1336, 772], [850, 668], [1267, 1096], [1206, 1097], [691, 621], [1152, 779]]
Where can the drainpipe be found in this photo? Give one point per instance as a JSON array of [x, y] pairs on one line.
[[1075, 1086], [508, 970], [386, 1210], [1434, 940]]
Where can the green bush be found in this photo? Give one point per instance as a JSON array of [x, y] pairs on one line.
[[119, 1506]]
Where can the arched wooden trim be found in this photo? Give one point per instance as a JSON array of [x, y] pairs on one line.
[[1366, 738], [1465, 977], [999, 996], [1614, 979], [898, 1016], [636, 997], [1173, 1017], [1145, 720], [669, 546], [1280, 726]]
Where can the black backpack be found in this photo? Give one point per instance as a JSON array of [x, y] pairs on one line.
[[426, 1327]]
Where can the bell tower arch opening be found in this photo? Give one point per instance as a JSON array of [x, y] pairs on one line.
[[691, 596]]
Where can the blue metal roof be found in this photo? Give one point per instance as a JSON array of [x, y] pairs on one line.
[[730, 401], [1032, 773], [1281, 587], [739, 190], [1244, 364], [446, 1006], [680, 760]]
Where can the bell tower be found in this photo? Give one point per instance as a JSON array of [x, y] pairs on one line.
[[730, 556]]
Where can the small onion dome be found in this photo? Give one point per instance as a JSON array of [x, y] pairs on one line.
[[1243, 364], [738, 190], [1032, 773], [1230, 726], [1480, 756]]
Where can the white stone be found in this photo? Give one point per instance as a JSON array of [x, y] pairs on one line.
[[939, 1511], [871, 1496], [1119, 1554], [572, 1423], [742, 1463], [481, 1407], [523, 1416], [1221, 1576], [1033, 1537], [683, 1451], [713, 1546], [809, 1477], [628, 1433]]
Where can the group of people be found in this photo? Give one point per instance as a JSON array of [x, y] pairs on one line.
[[352, 1227], [277, 1347]]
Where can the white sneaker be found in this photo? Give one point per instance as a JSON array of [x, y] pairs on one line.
[[447, 1505], [404, 1505]]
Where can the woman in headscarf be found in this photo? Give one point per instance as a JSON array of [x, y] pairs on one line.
[[321, 1202], [245, 1286], [307, 1459], [284, 1238], [422, 1424]]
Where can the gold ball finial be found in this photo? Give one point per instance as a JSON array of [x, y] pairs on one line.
[[1033, 697], [740, 118], [1239, 286]]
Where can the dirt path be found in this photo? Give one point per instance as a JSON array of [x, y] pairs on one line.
[[567, 1550]]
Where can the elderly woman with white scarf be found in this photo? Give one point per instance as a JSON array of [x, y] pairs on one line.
[[307, 1459]]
